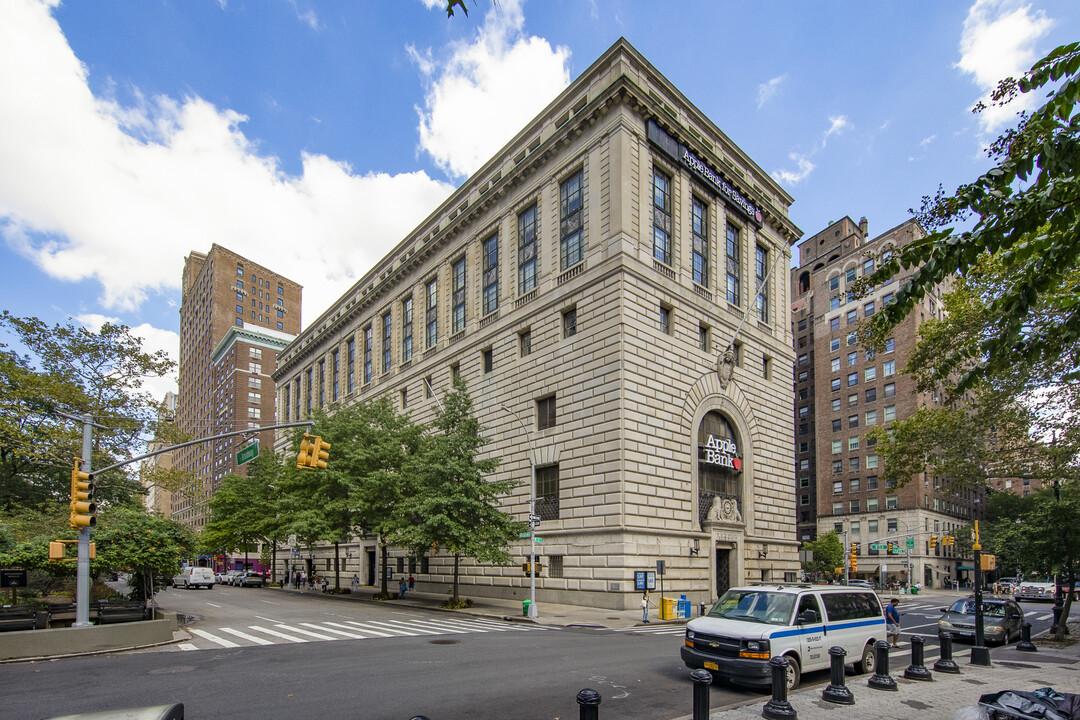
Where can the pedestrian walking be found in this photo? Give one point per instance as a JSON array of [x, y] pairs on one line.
[[402, 587], [892, 621], [325, 583], [303, 580], [412, 582], [355, 582], [311, 582], [646, 601]]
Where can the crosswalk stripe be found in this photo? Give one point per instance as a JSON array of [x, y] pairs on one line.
[[411, 632], [334, 625], [275, 633], [213, 638], [308, 632], [444, 628], [187, 646], [252, 638], [479, 624], [366, 627]]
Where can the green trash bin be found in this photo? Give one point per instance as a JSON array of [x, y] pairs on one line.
[[914, 590], [525, 607]]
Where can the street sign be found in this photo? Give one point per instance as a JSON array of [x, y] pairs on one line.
[[879, 546], [524, 535], [910, 543], [247, 454], [539, 539]]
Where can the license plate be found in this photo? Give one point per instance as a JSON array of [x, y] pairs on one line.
[[711, 665]]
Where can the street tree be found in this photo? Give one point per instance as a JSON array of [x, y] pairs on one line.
[[244, 509], [148, 547], [455, 502], [828, 553], [1027, 214]]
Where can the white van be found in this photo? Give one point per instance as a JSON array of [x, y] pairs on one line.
[[194, 577], [749, 625]]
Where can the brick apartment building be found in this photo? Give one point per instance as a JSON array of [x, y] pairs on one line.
[[235, 317], [841, 391]]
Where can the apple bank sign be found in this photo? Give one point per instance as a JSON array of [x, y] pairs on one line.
[[722, 452]]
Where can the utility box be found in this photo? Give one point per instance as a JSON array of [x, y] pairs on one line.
[[667, 608], [987, 562]]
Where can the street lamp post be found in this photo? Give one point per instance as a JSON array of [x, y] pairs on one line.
[[533, 612]]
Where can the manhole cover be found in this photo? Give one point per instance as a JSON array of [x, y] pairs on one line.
[[444, 642]]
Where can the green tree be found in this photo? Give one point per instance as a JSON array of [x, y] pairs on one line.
[[828, 553], [1027, 214], [454, 505], [150, 548], [73, 370]]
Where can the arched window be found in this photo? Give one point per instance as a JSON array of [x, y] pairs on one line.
[[720, 459]]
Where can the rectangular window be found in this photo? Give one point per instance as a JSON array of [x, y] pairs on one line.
[[334, 358], [868, 267], [838, 487], [888, 368], [852, 358], [834, 283], [871, 417], [853, 379], [804, 412], [703, 337], [457, 323], [852, 400], [285, 398], [870, 373], [837, 425], [834, 344], [853, 486], [853, 464], [871, 482], [569, 322], [886, 299], [836, 405], [853, 421], [525, 342], [545, 413], [852, 316], [350, 372], [890, 345], [296, 400], [665, 320], [368, 342], [388, 329], [834, 325], [488, 359], [871, 462], [872, 506], [837, 447], [404, 398], [555, 566], [571, 195], [835, 384], [491, 275], [527, 250], [853, 443], [733, 272], [852, 338], [431, 316], [849, 276], [761, 269], [837, 507], [803, 359], [890, 389], [868, 309], [310, 374], [547, 492], [699, 228], [254, 397], [891, 502], [889, 413], [853, 506], [661, 196], [803, 376], [406, 329], [871, 395], [322, 383], [837, 467]]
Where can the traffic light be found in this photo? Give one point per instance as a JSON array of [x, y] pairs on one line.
[[889, 549], [82, 499], [854, 557], [525, 568], [313, 453], [933, 541], [948, 540]]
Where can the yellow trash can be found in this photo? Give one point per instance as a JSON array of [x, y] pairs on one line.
[[667, 608]]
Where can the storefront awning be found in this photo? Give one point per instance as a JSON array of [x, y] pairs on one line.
[[965, 567]]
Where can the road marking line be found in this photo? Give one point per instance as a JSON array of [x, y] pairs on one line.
[[275, 633], [273, 620], [342, 632], [308, 632], [369, 629], [187, 646], [494, 627], [213, 638], [252, 638], [213, 605], [269, 602], [1044, 617], [391, 626], [437, 625]]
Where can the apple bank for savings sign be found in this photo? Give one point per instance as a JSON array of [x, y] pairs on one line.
[[722, 452]]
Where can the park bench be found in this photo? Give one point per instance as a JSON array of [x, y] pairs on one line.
[[16, 618], [121, 612]]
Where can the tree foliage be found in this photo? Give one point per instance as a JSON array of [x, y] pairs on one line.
[[1027, 214], [454, 504], [828, 553], [244, 509], [148, 547]]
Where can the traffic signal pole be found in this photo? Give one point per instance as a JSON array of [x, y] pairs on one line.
[[82, 567]]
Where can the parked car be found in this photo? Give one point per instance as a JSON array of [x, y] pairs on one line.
[[250, 578], [1002, 619], [195, 577], [230, 577], [1035, 591], [219, 577], [857, 582], [749, 625]]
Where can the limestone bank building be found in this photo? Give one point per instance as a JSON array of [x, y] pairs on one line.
[[617, 277]]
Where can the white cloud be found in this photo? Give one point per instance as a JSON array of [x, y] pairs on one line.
[[837, 125], [927, 140], [121, 194], [998, 41], [794, 177], [153, 339], [308, 16], [486, 90], [766, 90]]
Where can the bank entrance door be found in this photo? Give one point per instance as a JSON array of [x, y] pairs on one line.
[[371, 567], [723, 571]]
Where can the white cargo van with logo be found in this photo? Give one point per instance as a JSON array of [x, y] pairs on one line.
[[749, 625], [194, 577]]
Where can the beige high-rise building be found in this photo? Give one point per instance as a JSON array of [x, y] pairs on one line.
[[616, 277], [159, 500], [235, 316], [842, 391]]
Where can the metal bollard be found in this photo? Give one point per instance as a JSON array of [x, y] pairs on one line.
[[778, 708], [702, 609], [837, 692], [702, 680], [945, 663], [588, 701], [881, 679], [1025, 643], [917, 670]]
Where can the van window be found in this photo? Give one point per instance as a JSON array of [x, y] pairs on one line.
[[762, 606], [851, 606], [808, 602]]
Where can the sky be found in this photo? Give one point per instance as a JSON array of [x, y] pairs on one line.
[[312, 136]]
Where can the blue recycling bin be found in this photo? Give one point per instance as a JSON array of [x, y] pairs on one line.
[[684, 607]]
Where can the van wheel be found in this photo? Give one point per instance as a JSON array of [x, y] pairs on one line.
[[868, 661], [794, 673]]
